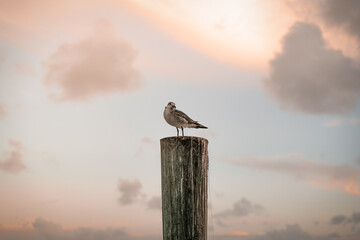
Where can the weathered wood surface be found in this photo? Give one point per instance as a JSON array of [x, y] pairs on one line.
[[184, 180]]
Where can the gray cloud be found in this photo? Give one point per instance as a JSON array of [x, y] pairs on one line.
[[354, 235], [343, 219], [338, 219], [307, 76], [154, 203], [130, 191], [355, 217], [318, 174], [13, 162], [50, 230], [345, 14], [241, 208], [293, 232], [98, 65], [47, 230]]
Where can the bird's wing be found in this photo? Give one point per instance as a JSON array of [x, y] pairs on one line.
[[182, 115]]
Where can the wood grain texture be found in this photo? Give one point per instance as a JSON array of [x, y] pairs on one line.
[[184, 180]]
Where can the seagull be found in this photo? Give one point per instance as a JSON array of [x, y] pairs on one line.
[[179, 119]]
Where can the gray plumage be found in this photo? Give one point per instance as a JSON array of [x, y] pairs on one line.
[[179, 119]]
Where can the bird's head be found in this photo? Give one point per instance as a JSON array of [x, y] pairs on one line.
[[171, 105]]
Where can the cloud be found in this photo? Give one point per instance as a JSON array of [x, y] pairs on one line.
[[154, 203], [15, 144], [355, 217], [239, 233], [293, 232], [320, 174], [336, 122], [47, 230], [339, 219], [241, 208], [13, 162], [98, 65], [50, 230], [130, 191], [345, 14], [145, 141], [311, 78], [3, 111]]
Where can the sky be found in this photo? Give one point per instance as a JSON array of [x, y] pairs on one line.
[[83, 86]]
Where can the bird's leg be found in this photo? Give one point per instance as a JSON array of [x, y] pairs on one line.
[[177, 131], [182, 129]]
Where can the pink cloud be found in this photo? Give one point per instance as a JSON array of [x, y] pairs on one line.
[[25, 22], [98, 65], [239, 233], [320, 174], [336, 122], [13, 162], [145, 141], [45, 229], [15, 144]]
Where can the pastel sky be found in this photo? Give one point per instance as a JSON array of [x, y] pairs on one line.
[[83, 86]]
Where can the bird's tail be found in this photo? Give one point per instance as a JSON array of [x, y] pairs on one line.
[[198, 125]]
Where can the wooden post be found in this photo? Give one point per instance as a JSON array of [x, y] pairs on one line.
[[184, 179]]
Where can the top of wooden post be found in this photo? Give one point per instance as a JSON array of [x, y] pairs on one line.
[[184, 138]]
